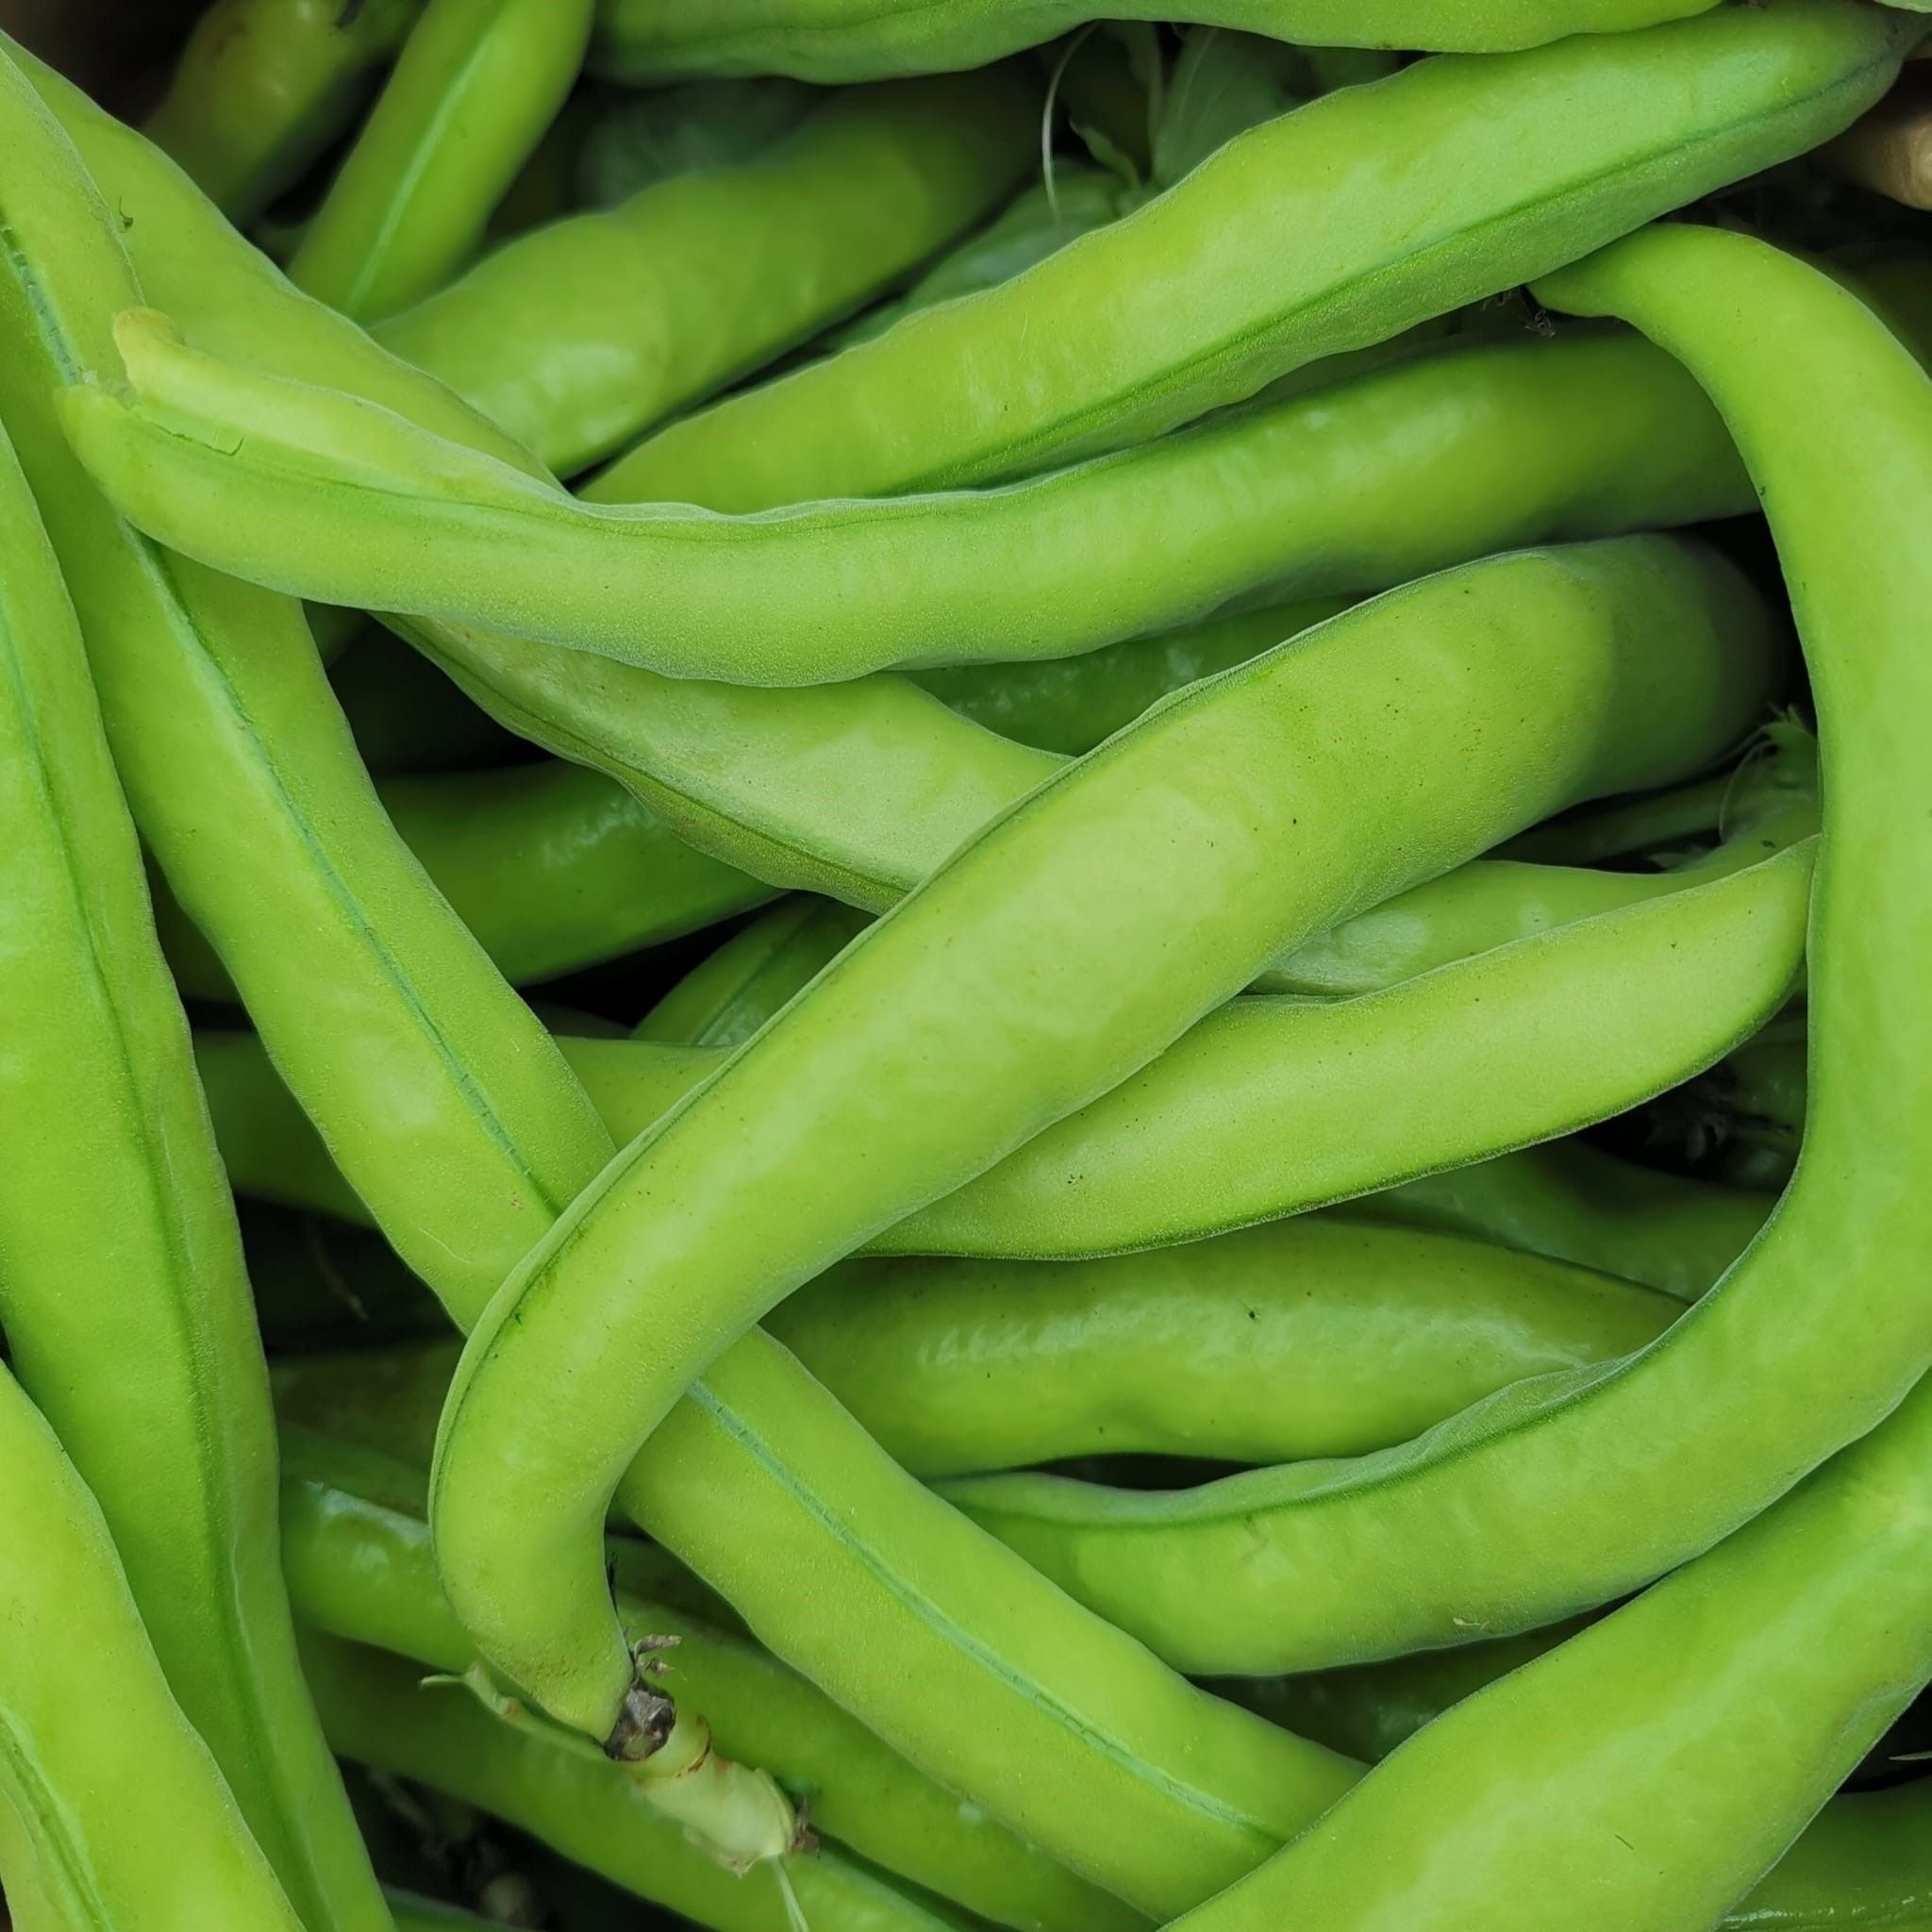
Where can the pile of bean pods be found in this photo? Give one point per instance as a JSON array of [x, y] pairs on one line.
[[962, 967]]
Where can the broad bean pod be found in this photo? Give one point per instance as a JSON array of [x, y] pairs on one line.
[[654, 41], [1163, 1789], [1307, 1337], [476, 84], [263, 86], [244, 780], [1575, 1203], [380, 1714], [112, 1810], [582, 334], [1539, 1502], [1640, 1766], [1262, 1108], [1270, 1104], [153, 1373], [1037, 970], [1324, 230], [1084, 1743], [321, 495], [355, 1542], [772, 780]]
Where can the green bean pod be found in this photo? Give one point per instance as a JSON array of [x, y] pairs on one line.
[[356, 1542], [1035, 971], [124, 1295], [1272, 1106], [579, 336], [1321, 231], [1084, 1744], [330, 499], [1309, 1336], [112, 1809], [1534, 1503], [656, 41], [243, 779], [263, 86], [477, 85], [860, 790], [380, 1714], [1263, 1109], [1574, 1203], [1641, 1767]]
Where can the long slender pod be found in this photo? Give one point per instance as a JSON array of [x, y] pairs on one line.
[[1039, 968], [123, 1290], [119, 1816], [1561, 1495], [330, 497], [261, 87], [580, 335], [1084, 1745], [474, 87], [1336, 226], [1554, 1777], [654, 41]]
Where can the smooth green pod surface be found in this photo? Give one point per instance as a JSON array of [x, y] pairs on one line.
[[1035, 971], [1307, 1337], [474, 87], [1076, 1727], [112, 1823], [1565, 1493], [1641, 1767], [654, 41], [247, 472], [124, 1298], [1334, 226], [579, 336], [262, 86]]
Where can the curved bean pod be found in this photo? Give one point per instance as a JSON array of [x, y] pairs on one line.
[[918, 1059], [654, 41], [263, 86], [325, 496], [582, 334], [125, 1822], [774, 780], [1574, 1203], [153, 1379], [1272, 1106], [243, 779], [1324, 230], [474, 87], [1261, 1109], [379, 1712], [1309, 1336], [1640, 1766], [1820, 1328], [356, 1544], [153, 1374], [1078, 1729]]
